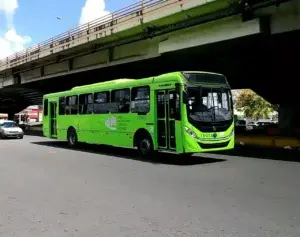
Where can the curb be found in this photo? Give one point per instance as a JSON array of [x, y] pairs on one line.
[[268, 141]]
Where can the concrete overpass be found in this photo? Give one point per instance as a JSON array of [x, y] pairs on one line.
[[251, 42]]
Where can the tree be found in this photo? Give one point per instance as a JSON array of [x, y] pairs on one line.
[[253, 105]]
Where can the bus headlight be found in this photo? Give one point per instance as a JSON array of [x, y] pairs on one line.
[[190, 132]]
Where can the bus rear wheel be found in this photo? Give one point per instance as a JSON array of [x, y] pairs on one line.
[[145, 146], [72, 137]]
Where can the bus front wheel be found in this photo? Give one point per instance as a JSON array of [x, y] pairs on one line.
[[145, 146], [72, 137]]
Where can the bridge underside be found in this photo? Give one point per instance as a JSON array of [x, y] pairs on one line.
[[266, 64]]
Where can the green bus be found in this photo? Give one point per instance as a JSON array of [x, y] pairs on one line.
[[181, 112]]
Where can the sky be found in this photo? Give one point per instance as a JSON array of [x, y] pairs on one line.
[[27, 22]]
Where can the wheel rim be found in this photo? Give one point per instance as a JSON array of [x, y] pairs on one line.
[[145, 146]]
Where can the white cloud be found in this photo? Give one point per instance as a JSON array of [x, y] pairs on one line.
[[92, 10], [11, 41], [9, 7]]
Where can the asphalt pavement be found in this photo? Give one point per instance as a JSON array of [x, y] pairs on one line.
[[47, 189]]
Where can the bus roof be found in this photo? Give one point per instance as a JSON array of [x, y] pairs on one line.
[[160, 78], [118, 82], [112, 82], [214, 73]]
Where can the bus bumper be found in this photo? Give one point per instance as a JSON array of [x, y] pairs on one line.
[[198, 146]]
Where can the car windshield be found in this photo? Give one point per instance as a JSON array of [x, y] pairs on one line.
[[209, 104], [8, 125]]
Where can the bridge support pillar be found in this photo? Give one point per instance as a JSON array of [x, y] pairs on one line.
[[11, 115], [289, 118]]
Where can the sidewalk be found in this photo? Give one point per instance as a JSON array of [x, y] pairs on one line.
[[267, 141]]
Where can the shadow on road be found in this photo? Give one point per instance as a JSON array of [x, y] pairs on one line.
[[264, 153], [34, 133], [161, 158]]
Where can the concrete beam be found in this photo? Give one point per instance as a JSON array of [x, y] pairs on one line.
[[140, 48], [31, 74], [212, 32], [286, 18], [7, 81], [56, 68], [283, 18], [90, 59], [98, 66]]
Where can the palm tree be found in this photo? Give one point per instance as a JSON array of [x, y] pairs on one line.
[[253, 105], [262, 108]]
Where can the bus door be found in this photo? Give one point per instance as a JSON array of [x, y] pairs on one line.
[[53, 123], [167, 100]]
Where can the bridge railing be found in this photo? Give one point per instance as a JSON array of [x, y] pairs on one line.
[[95, 29], [95, 25]]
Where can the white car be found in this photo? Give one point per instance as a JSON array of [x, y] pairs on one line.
[[9, 129]]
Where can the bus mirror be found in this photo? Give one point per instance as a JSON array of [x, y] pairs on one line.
[[185, 98]]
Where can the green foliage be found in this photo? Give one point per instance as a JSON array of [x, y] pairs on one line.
[[253, 105]]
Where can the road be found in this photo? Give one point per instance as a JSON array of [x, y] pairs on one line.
[[49, 190]]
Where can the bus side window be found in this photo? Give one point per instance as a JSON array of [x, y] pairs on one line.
[[62, 106], [101, 102], [174, 105], [160, 97], [72, 104], [120, 101], [46, 107], [86, 102], [140, 99]]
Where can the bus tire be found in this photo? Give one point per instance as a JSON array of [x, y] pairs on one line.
[[72, 137], [145, 145]]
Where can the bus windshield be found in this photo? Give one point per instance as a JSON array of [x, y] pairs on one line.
[[209, 104]]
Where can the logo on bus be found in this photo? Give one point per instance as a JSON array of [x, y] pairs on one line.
[[111, 123]]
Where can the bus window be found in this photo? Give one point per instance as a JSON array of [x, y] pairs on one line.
[[140, 99], [174, 105], [46, 107], [72, 104], [86, 104], [101, 103], [161, 105], [120, 101], [62, 106]]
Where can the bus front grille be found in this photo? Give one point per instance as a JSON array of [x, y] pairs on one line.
[[214, 145]]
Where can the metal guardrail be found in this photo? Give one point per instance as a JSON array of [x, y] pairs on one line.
[[134, 10]]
